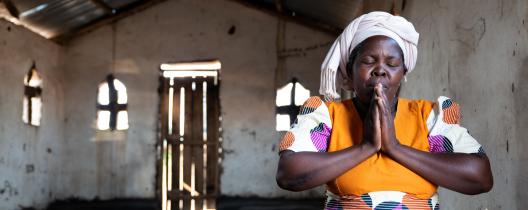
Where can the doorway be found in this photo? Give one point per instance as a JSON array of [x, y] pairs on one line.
[[189, 138]]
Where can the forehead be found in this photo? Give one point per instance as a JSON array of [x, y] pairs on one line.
[[381, 43]]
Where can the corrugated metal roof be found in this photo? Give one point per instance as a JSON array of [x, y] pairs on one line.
[[61, 18], [335, 14], [52, 18]]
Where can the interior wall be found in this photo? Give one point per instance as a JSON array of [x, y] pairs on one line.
[[98, 165], [475, 52], [29, 168]]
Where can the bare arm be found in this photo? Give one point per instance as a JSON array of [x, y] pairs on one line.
[[464, 173], [299, 171]]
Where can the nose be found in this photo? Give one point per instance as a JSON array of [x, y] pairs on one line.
[[378, 72]]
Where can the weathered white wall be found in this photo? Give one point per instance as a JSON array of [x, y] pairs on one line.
[[175, 31], [28, 155], [476, 53]]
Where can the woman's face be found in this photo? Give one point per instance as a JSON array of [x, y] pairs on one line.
[[380, 60]]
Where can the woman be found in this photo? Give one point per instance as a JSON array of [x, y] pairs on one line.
[[376, 150]]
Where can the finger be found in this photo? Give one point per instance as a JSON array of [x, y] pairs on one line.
[[382, 112], [372, 108], [382, 104], [376, 115], [386, 104], [378, 88], [383, 94], [377, 126]]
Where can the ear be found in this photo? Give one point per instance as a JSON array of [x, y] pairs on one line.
[[347, 84], [405, 74], [347, 78]]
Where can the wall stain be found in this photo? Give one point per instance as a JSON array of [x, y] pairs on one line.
[[471, 37], [228, 151], [30, 168], [274, 147], [252, 133], [520, 99], [501, 6], [507, 145], [231, 30], [8, 189]]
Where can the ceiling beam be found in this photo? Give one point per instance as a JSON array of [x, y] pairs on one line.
[[274, 11], [279, 6], [13, 11], [101, 4]]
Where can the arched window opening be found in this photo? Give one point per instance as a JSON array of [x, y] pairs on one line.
[[32, 103], [288, 102], [112, 102]]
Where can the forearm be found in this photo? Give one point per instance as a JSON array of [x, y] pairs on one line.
[[464, 173], [304, 170]]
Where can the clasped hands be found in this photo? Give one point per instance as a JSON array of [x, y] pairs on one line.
[[379, 133]]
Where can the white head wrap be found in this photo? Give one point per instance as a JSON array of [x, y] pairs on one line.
[[363, 27]]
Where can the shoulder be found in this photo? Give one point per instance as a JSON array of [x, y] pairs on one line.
[[448, 110], [445, 132], [314, 108], [310, 105], [443, 111]]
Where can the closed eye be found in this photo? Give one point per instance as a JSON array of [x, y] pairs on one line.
[[393, 62], [368, 60]]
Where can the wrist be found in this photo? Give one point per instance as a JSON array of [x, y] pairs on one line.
[[393, 149], [369, 148]]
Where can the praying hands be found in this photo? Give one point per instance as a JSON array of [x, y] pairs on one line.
[[379, 129]]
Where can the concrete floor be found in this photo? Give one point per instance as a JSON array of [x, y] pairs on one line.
[[224, 203], [269, 204], [116, 204]]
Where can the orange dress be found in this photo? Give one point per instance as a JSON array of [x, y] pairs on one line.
[[380, 182]]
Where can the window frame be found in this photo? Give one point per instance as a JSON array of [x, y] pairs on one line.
[[113, 106], [31, 92]]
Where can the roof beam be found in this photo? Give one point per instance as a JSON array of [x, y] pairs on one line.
[[278, 6], [13, 11], [274, 11], [101, 4]]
